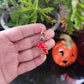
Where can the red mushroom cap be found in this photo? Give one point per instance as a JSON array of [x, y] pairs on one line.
[[45, 51], [42, 46]]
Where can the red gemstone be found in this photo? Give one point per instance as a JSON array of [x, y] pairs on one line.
[[45, 51]]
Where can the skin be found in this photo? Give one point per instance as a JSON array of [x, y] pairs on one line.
[[18, 51]]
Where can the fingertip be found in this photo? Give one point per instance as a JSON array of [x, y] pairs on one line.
[[49, 34], [32, 28], [41, 60], [52, 32], [40, 26], [50, 43], [44, 57]]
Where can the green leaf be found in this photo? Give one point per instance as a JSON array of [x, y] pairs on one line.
[[57, 1], [34, 18], [69, 14], [14, 3], [3, 3], [69, 26], [73, 16], [81, 17], [28, 12], [46, 10], [81, 5], [68, 4], [53, 21], [48, 1], [78, 25]]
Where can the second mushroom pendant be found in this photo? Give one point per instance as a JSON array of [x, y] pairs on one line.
[[42, 45]]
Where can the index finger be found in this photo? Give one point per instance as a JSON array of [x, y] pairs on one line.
[[20, 32]]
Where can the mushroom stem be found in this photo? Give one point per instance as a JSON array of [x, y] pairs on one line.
[[68, 40]]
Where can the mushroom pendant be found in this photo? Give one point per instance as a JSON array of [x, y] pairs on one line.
[[42, 45]]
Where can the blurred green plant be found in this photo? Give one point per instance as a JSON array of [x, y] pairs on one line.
[[75, 16], [3, 3], [32, 11], [28, 12]]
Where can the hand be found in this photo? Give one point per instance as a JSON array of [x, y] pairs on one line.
[[18, 51]]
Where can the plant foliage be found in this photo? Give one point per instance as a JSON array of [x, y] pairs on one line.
[[29, 12], [32, 11], [75, 15], [3, 3]]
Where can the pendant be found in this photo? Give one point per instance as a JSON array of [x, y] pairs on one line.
[[42, 45]]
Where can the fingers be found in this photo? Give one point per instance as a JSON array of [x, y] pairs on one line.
[[34, 52], [30, 65], [19, 32], [32, 41]]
